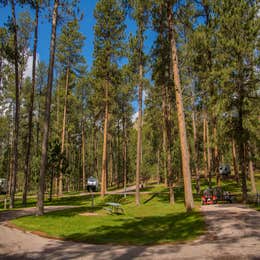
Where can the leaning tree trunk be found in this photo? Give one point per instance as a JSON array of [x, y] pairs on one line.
[[17, 111], [46, 124], [104, 155], [30, 122], [63, 130], [180, 113]]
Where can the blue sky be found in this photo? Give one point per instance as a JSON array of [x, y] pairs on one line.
[[86, 27]]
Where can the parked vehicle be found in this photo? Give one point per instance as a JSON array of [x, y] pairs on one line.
[[92, 184], [208, 197], [215, 195], [224, 170], [3, 186]]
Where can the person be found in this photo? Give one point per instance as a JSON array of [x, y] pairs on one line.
[[227, 196]]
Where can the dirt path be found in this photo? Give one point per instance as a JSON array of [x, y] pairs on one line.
[[234, 233]]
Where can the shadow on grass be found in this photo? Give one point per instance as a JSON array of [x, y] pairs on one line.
[[73, 201], [145, 230], [71, 212]]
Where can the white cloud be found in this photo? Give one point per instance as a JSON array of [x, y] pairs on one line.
[[28, 70], [144, 95], [134, 116]]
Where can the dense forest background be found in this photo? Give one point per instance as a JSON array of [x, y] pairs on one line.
[[195, 90]]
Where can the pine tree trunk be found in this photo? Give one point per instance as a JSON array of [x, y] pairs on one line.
[[216, 151], [110, 167], [208, 155], [164, 158], [83, 159], [17, 110], [158, 166], [38, 123], [251, 170], [51, 185], [63, 130], [118, 160], [164, 112], [56, 186], [180, 113], [30, 123], [40, 199], [167, 128], [96, 168], [168, 146], [139, 135], [195, 145], [234, 157], [10, 179], [104, 156], [241, 152], [124, 153], [205, 146]]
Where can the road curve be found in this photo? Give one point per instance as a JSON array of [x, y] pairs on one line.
[[233, 233]]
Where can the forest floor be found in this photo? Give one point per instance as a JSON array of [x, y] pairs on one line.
[[233, 232]]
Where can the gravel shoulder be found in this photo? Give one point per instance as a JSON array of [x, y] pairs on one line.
[[233, 233]]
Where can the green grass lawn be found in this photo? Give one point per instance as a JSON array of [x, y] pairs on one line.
[[155, 221]]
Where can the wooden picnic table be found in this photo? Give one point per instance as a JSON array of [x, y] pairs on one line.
[[114, 208]]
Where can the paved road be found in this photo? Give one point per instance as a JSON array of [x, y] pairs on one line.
[[233, 233]]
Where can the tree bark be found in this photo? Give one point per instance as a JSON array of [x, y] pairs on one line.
[[30, 122], [51, 185], [83, 158], [104, 156], [139, 134], [180, 113], [17, 110], [216, 151], [158, 166], [205, 145], [208, 155], [234, 157], [251, 170], [241, 152], [64, 130], [168, 141], [195, 149], [164, 158], [110, 161], [124, 153], [46, 125]]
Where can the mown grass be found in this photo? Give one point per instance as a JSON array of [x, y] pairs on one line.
[[155, 221]]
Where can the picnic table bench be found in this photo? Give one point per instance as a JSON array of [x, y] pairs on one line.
[[114, 208]]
